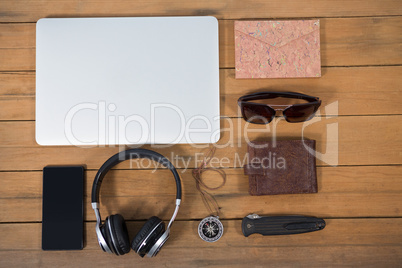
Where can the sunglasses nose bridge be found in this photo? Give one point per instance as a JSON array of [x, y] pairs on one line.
[[279, 109], [279, 112]]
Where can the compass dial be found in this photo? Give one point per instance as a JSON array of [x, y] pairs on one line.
[[210, 229]]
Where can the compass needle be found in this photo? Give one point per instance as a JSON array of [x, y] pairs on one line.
[[210, 229]]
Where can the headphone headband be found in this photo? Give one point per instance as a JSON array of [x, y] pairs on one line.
[[132, 154], [110, 163]]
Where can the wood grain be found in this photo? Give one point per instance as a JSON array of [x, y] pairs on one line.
[[341, 232], [343, 43], [31, 11], [358, 91], [17, 60], [232, 206], [343, 192], [371, 245], [360, 198], [121, 183], [19, 151], [337, 232], [17, 108], [359, 255], [17, 84]]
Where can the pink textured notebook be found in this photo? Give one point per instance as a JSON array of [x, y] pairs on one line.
[[277, 49]]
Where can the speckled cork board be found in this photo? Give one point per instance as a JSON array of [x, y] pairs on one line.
[[277, 49]]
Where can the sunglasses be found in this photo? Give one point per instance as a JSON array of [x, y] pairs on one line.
[[259, 113]]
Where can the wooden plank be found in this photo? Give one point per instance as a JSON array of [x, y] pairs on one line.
[[17, 35], [17, 108], [353, 241], [121, 183], [232, 206], [17, 90], [356, 256], [344, 42], [17, 59], [18, 149], [17, 84], [337, 232], [31, 11], [361, 42], [358, 91], [343, 192]]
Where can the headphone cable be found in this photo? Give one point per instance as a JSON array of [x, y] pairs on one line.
[[209, 200]]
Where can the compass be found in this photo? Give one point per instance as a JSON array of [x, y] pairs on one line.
[[210, 229]]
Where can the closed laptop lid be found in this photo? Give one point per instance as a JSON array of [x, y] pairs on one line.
[[144, 80]]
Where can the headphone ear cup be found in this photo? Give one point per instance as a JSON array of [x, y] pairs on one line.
[[106, 236], [119, 234], [150, 232]]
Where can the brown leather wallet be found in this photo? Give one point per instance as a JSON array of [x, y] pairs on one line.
[[287, 168]]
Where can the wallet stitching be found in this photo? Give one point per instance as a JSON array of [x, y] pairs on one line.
[[247, 35]]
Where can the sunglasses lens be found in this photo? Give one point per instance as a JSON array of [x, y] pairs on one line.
[[257, 114], [300, 113]]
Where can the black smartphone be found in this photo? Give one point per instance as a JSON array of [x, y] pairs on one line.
[[62, 208]]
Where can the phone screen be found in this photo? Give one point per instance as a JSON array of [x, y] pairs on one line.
[[62, 210]]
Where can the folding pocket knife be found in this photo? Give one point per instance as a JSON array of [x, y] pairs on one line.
[[280, 225]]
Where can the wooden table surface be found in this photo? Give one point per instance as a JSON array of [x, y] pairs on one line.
[[360, 198]]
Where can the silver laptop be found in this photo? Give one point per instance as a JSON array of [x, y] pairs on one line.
[[104, 81]]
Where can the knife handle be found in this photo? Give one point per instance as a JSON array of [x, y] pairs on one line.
[[281, 225]]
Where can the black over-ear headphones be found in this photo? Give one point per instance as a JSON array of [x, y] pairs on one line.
[[113, 235]]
